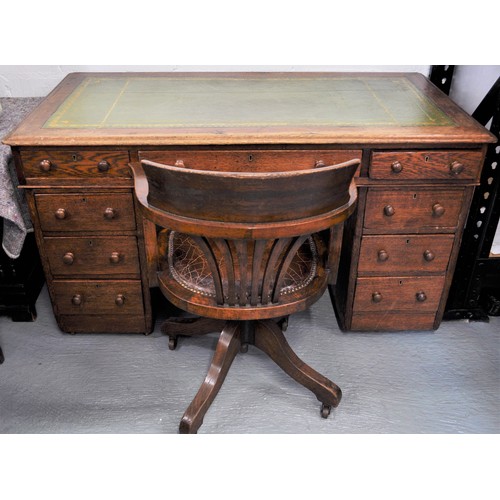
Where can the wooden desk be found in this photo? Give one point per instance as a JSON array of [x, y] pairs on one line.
[[421, 158]]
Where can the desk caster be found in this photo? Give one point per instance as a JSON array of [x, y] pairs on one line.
[[325, 410]]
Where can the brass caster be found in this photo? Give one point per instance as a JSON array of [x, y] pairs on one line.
[[172, 343], [325, 410]]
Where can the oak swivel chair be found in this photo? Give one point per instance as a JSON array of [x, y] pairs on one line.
[[243, 251]]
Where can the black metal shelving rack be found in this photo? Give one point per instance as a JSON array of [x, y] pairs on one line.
[[475, 289]]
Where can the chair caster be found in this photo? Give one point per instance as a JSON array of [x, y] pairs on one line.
[[172, 343], [325, 410], [283, 324]]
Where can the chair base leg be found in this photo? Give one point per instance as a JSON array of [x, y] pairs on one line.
[[178, 326], [189, 327], [268, 337], [227, 347]]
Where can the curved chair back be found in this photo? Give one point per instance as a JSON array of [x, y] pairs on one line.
[[248, 197], [244, 245]]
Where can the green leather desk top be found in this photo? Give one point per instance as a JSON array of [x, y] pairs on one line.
[[232, 108], [148, 101]]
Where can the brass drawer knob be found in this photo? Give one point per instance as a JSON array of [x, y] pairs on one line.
[[420, 296], [179, 163], [61, 213], [389, 210], [438, 210], [76, 300], [109, 213], [68, 258], [114, 258], [120, 300], [319, 163], [103, 166], [382, 255], [396, 167], [429, 256], [376, 297], [456, 168], [45, 165]]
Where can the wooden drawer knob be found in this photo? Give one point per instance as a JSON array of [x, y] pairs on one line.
[[376, 297], [382, 255], [456, 168], [396, 167], [68, 258], [420, 296], [103, 166], [76, 299], [319, 164], [109, 213], [45, 165], [438, 210], [389, 210], [429, 256], [61, 213], [114, 258], [120, 300]]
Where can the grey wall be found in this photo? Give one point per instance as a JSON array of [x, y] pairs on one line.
[[471, 83], [27, 81]]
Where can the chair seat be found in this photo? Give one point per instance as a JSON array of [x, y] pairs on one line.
[[189, 267]]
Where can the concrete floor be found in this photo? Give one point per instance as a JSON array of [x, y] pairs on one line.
[[446, 381]]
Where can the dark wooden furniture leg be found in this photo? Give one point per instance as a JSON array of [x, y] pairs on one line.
[[270, 339], [189, 327], [2, 359], [225, 352]]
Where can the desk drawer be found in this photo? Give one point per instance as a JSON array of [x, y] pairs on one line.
[[413, 210], [389, 321], [110, 323], [405, 254], [75, 163], [415, 294], [407, 165], [92, 212], [93, 256], [98, 297], [250, 160]]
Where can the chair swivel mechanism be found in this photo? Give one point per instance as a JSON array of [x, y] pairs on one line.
[[240, 252]]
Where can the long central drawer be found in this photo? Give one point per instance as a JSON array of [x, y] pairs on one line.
[[251, 160]]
